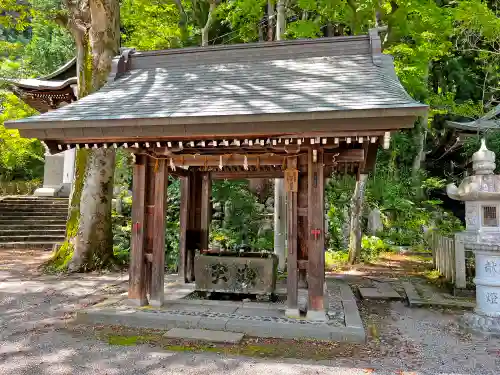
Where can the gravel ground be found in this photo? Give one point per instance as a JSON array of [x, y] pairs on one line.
[[34, 310]]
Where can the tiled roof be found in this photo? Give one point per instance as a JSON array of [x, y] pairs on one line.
[[329, 83], [41, 84]]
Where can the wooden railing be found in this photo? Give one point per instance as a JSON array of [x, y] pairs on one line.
[[449, 257]]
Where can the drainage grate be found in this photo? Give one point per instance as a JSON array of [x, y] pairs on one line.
[[237, 297]]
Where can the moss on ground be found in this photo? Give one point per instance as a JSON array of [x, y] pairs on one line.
[[249, 346]]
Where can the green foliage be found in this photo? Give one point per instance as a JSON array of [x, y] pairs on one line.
[[50, 47], [338, 194], [242, 219], [122, 223], [123, 169], [446, 55], [335, 259], [372, 246], [150, 25], [20, 158], [19, 187], [244, 17], [14, 14]]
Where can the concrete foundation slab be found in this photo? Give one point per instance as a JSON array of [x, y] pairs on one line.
[[204, 334], [319, 316], [197, 308], [260, 319], [215, 323], [223, 309], [292, 313], [259, 312]]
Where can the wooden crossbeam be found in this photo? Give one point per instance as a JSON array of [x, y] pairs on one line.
[[331, 158]]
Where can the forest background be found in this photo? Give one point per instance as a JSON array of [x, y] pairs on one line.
[[447, 55]]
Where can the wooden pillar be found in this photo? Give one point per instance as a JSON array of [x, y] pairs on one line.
[[193, 221], [279, 222], [159, 212], [149, 221], [302, 226], [316, 256], [206, 209], [137, 269], [292, 265], [183, 226]]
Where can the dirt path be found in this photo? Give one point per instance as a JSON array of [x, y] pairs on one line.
[[35, 339]]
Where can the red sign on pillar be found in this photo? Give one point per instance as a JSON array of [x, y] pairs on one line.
[[316, 233]]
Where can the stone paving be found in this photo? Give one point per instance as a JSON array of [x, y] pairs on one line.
[[419, 294], [261, 319]]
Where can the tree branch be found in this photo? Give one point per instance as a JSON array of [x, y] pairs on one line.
[[208, 24]]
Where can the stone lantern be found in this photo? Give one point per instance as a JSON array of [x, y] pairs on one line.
[[481, 194]]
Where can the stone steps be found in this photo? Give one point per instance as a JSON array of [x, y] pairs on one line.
[[36, 214], [32, 232], [32, 222], [32, 238], [28, 210], [42, 220], [28, 245], [33, 226]]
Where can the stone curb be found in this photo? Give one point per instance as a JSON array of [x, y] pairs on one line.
[[351, 312], [165, 321], [209, 303]]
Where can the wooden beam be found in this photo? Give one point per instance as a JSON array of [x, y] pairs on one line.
[[179, 172], [158, 265], [264, 159], [183, 225], [292, 269], [316, 256], [206, 209], [137, 268], [227, 160], [351, 155], [246, 174]]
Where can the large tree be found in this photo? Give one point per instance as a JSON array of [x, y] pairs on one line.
[[95, 27]]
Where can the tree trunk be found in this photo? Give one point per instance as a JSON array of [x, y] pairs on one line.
[[421, 129], [356, 211], [95, 25], [208, 24], [280, 19], [270, 23]]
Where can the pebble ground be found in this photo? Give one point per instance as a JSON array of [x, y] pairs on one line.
[[35, 308]]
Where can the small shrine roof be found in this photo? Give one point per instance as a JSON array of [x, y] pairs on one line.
[[489, 121], [59, 79]]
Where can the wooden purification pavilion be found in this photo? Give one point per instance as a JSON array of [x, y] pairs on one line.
[[298, 110]]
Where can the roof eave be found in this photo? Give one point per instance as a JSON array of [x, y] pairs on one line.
[[409, 110], [474, 125], [40, 84]]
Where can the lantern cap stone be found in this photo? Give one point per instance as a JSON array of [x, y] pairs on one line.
[[483, 160], [483, 185]]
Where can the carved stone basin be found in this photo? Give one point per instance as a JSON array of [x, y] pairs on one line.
[[233, 272]]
